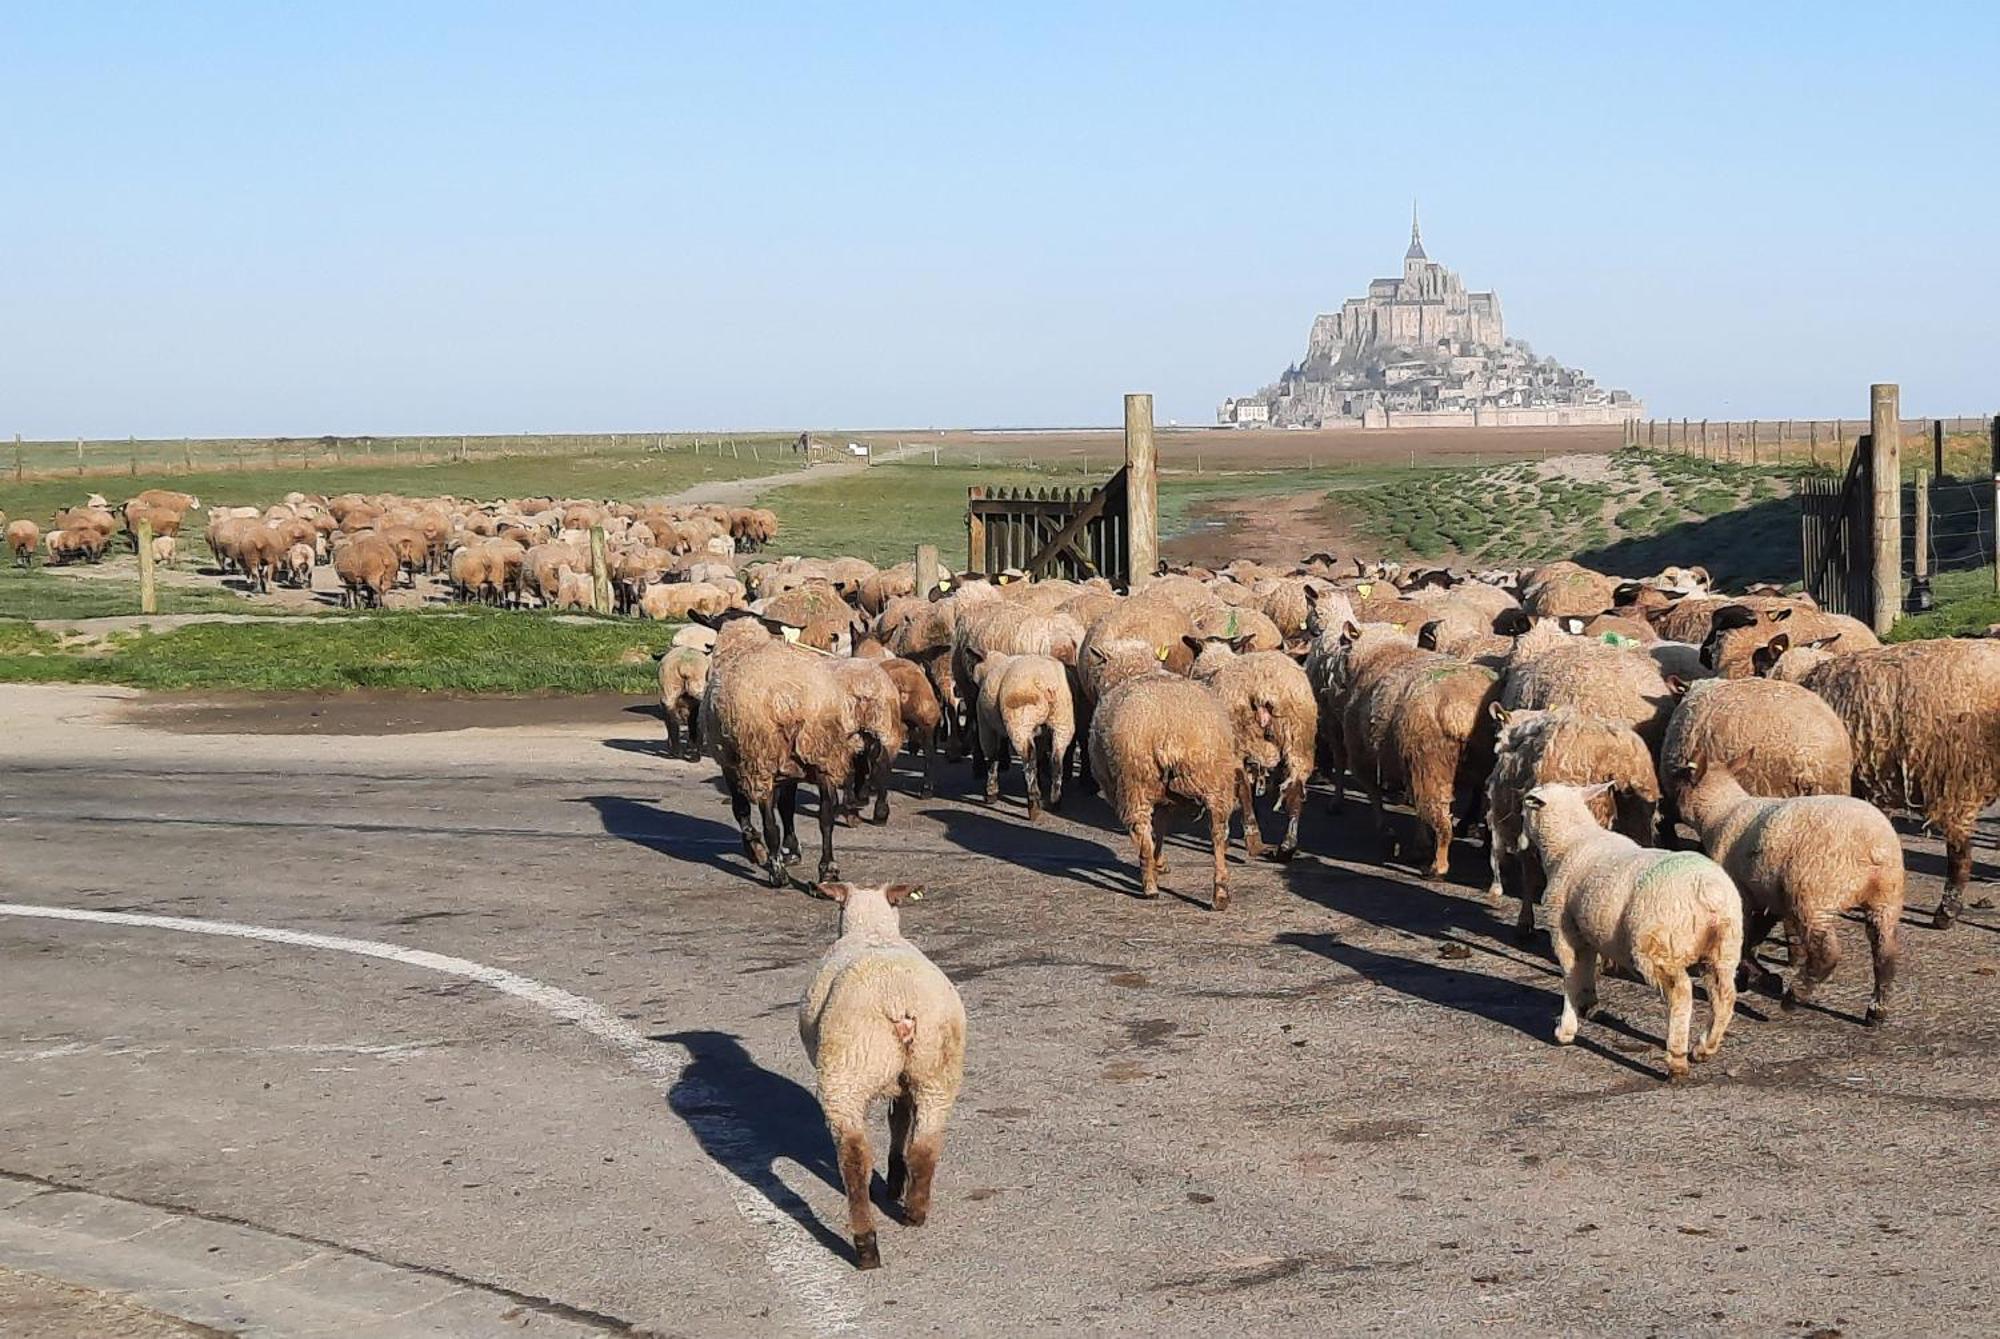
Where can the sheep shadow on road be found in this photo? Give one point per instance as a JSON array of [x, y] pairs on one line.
[[1039, 847], [748, 1118], [1498, 999], [671, 833]]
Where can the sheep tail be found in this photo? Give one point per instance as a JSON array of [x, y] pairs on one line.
[[905, 1025]]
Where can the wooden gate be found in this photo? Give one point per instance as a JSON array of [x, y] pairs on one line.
[[1837, 530], [1066, 532]]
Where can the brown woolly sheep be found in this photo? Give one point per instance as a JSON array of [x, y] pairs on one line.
[[1157, 737], [1802, 860], [1549, 668], [1565, 746], [1737, 633], [773, 715], [1924, 719], [1786, 739], [1651, 912], [881, 1021], [874, 714], [82, 544], [22, 539], [921, 715], [1275, 717], [1560, 588], [368, 567], [1423, 727], [1024, 705], [683, 680]]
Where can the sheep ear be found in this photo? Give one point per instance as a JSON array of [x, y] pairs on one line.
[[1498, 713], [1427, 635], [1779, 644], [1780, 615], [1593, 791], [1194, 644], [1532, 800], [1677, 685], [1572, 624], [838, 892], [896, 893], [1819, 643], [1312, 594]]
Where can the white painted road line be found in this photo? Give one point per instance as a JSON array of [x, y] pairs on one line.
[[822, 1287]]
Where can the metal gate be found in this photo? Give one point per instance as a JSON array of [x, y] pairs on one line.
[[1837, 528]]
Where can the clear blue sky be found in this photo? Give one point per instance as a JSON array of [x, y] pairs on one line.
[[454, 217]]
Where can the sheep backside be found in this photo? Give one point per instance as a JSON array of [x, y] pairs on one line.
[[683, 680], [881, 1021], [1025, 706], [1549, 668], [1787, 739], [22, 539], [367, 566], [1561, 745], [1651, 912], [1157, 737], [1364, 656], [1276, 721], [1424, 728], [874, 711], [772, 716], [921, 715], [1802, 861], [1924, 719]]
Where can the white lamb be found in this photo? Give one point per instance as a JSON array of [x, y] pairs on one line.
[[880, 1020], [1655, 913]]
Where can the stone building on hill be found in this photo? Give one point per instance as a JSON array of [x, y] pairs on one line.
[[1423, 351]]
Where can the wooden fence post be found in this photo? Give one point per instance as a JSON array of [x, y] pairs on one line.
[[1142, 492], [600, 573], [1937, 447], [1920, 567], [1704, 439], [1886, 466], [1812, 440], [975, 531], [17, 457], [149, 598], [187, 454], [1994, 463], [79, 457], [927, 570]]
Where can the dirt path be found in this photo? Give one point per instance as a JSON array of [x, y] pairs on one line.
[[743, 492]]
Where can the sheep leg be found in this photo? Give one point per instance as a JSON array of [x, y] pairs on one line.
[[1721, 1003], [1218, 845], [694, 733], [829, 803], [1295, 808], [1497, 856], [857, 1168], [931, 1110], [774, 852], [1031, 777], [1822, 955], [1141, 828], [1383, 832], [902, 1111], [1881, 925], [788, 808], [1678, 992], [673, 714], [1059, 755], [1958, 870], [988, 769], [1253, 840], [880, 781], [739, 806], [1752, 974], [927, 743], [1434, 811], [1533, 883], [1578, 961]]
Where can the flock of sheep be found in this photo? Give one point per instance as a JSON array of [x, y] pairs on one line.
[[1577, 719], [1573, 720], [661, 562]]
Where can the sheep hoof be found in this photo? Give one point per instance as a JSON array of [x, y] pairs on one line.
[[1677, 1069], [1876, 1016], [1283, 854], [1220, 902], [1942, 918], [829, 873], [778, 876], [1789, 1001], [915, 1217], [867, 1255]]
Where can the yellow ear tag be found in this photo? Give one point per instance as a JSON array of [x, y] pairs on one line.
[[917, 896], [1366, 589], [1003, 578], [944, 583], [791, 634], [1163, 655]]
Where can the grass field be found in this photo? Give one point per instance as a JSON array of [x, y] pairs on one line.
[[38, 593], [460, 651]]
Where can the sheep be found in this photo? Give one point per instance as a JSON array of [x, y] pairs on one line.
[[368, 567], [772, 715], [683, 680], [1275, 717], [66, 546], [1924, 719], [1737, 632], [921, 715], [1555, 589], [1798, 743], [296, 566], [1154, 737], [1802, 860], [23, 537], [1024, 704], [163, 550], [1423, 726], [573, 589], [874, 715], [1654, 913], [1562, 745], [881, 1021], [1343, 675], [1549, 668]]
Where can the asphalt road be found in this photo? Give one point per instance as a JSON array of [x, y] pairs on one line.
[[1331, 1109]]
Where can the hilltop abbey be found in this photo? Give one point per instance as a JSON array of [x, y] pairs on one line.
[[1422, 352]]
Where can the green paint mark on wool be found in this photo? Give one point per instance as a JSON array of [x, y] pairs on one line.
[[1675, 864]]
